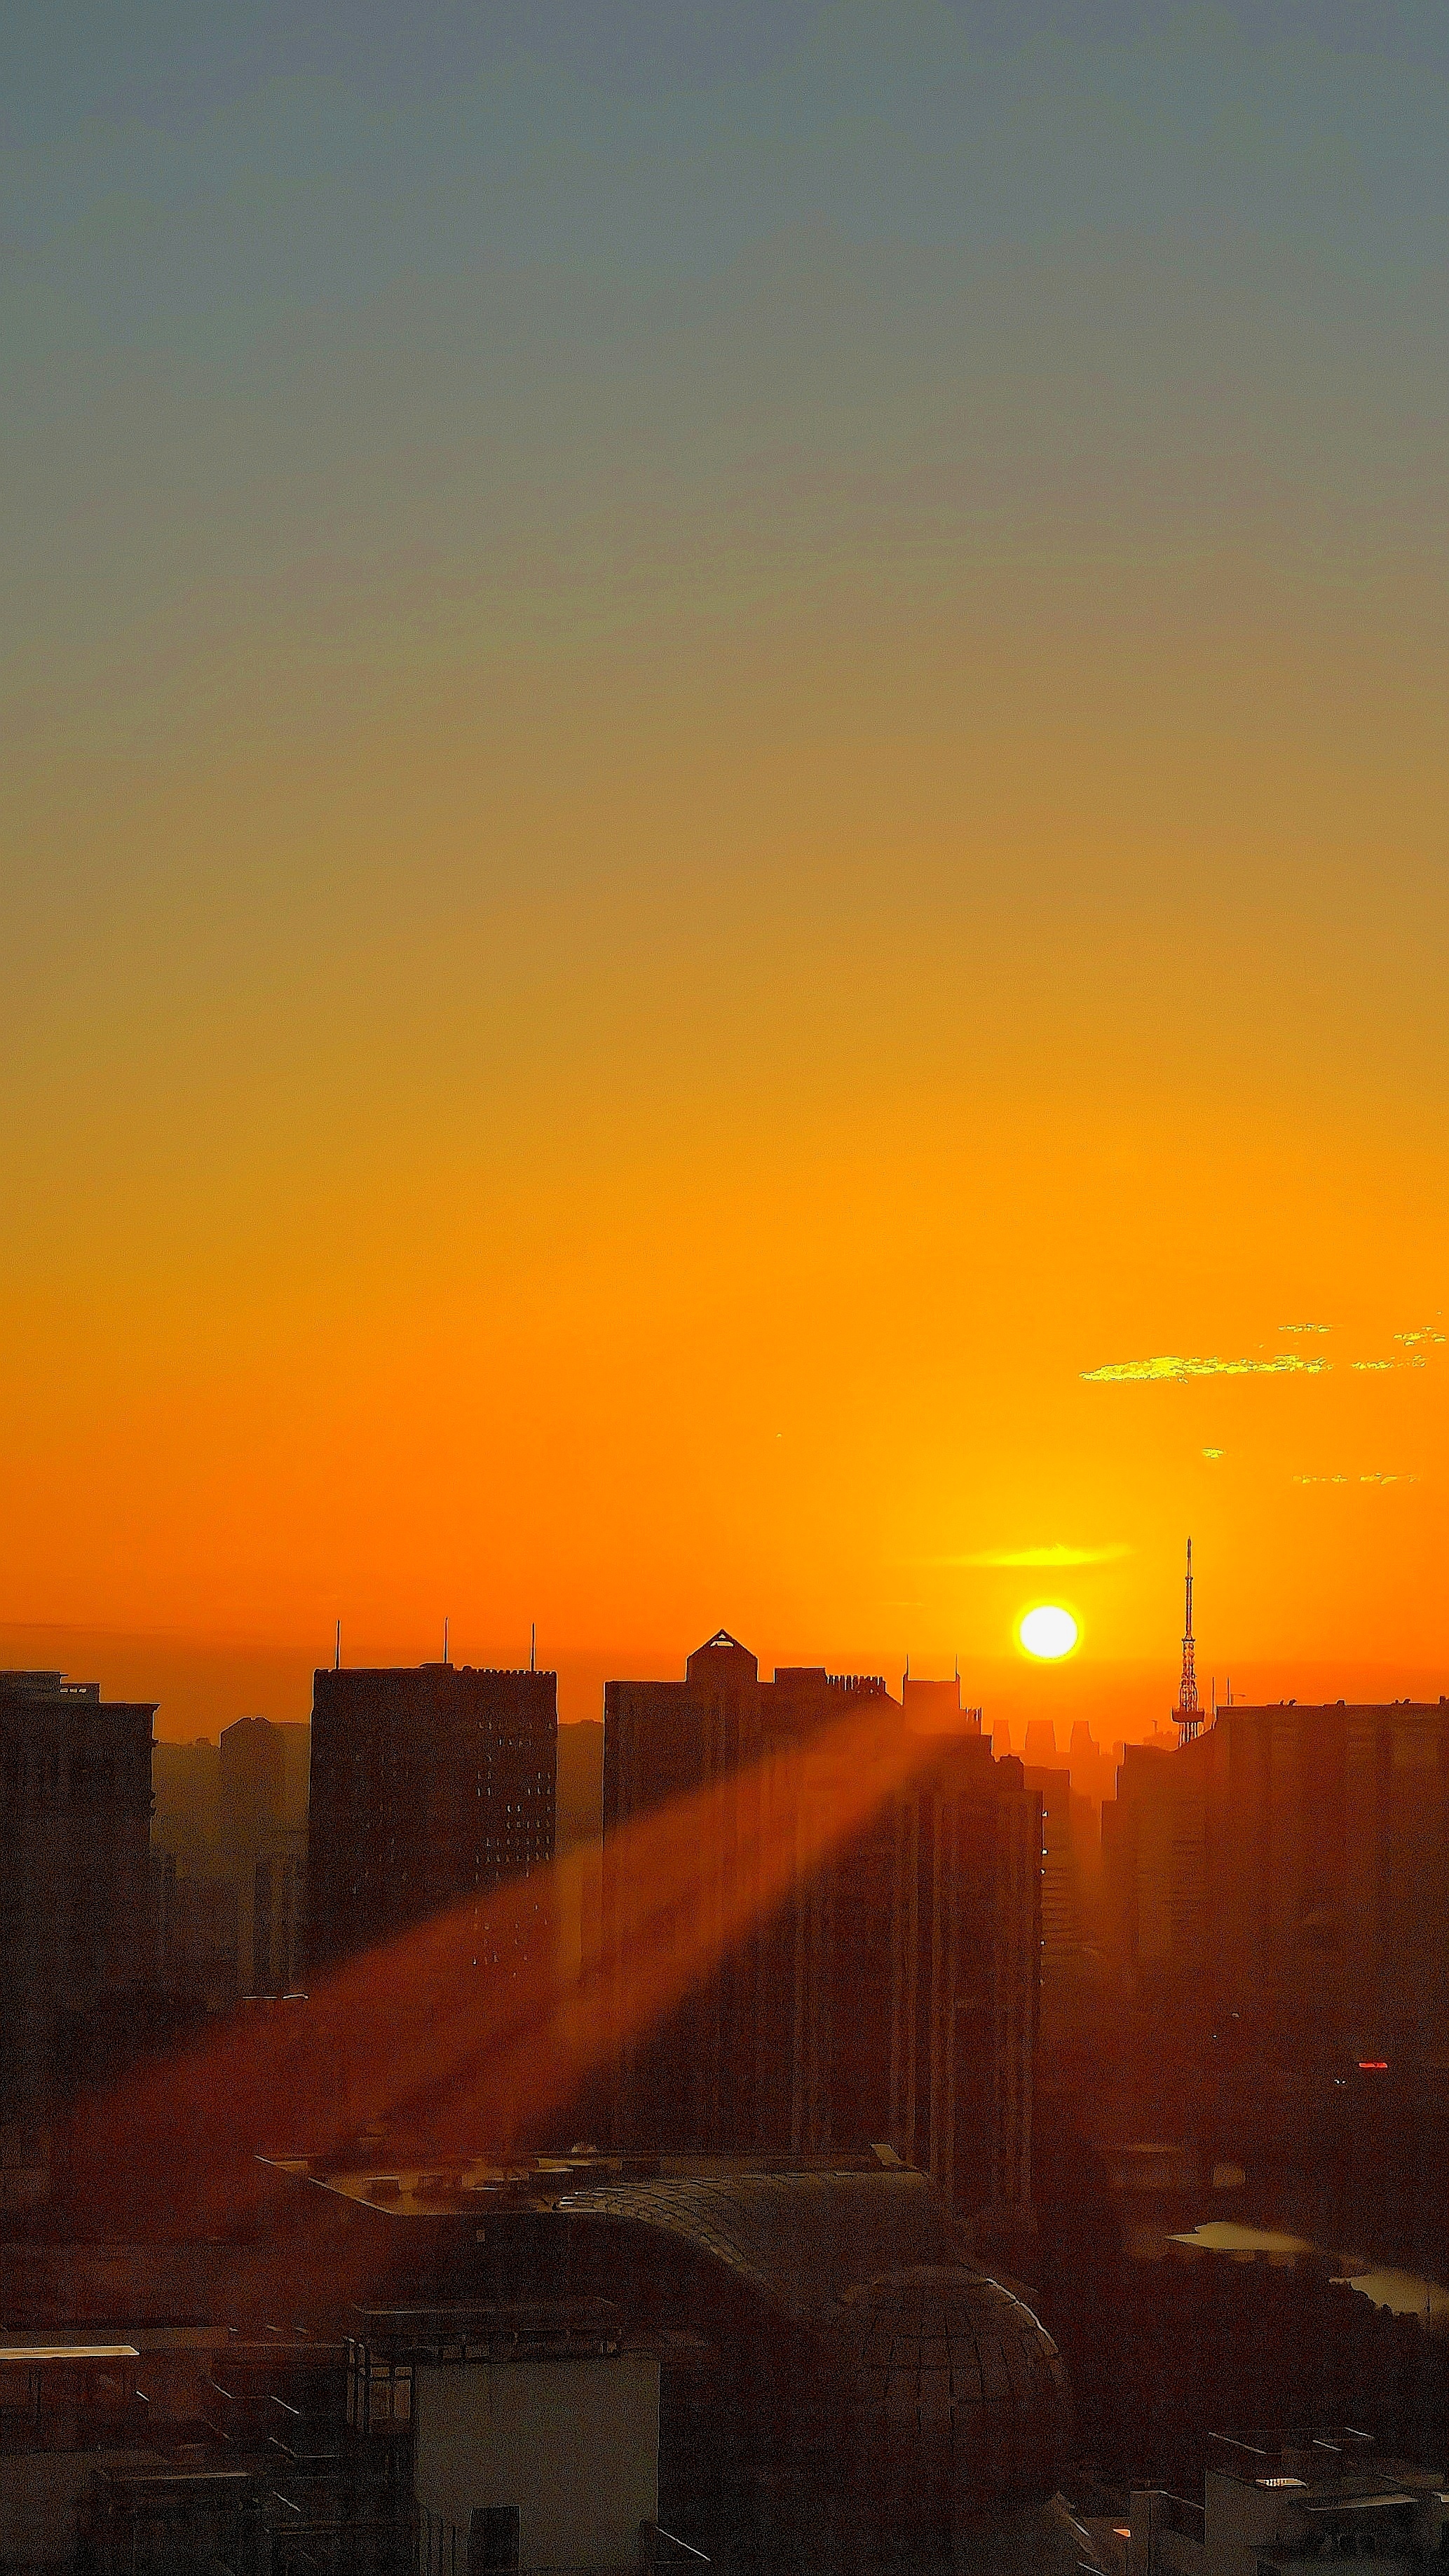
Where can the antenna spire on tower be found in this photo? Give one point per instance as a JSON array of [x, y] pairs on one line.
[[1188, 1713]]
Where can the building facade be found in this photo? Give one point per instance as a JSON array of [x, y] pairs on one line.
[[1328, 1866], [429, 1785], [891, 1995], [739, 2061], [966, 1980], [1155, 1867], [75, 1807], [1291, 1865]]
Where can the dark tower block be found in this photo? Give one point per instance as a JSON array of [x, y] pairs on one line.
[[429, 1786], [967, 1973], [693, 2078], [889, 1994], [75, 1810]]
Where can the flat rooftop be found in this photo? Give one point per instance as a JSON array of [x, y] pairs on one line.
[[1333, 2468], [413, 2186]]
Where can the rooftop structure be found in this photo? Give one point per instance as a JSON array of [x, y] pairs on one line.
[[829, 2366], [1283, 2504]]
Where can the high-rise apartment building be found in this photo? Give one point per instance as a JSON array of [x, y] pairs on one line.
[[966, 1951], [890, 1996], [724, 2065], [1291, 1864], [1155, 1867], [429, 1785], [1328, 1872], [75, 1807]]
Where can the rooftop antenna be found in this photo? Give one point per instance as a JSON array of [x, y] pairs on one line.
[[337, 1650], [533, 1645], [1188, 1713], [445, 1638], [1215, 1697], [958, 1663], [908, 1664]]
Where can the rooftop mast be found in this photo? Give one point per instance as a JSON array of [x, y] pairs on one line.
[[1188, 1713]]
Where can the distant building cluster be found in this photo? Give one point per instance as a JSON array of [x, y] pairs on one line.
[[229, 1863]]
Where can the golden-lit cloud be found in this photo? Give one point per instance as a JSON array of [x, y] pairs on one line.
[[1058, 1554], [1375, 1476], [1305, 1328], [1283, 1364]]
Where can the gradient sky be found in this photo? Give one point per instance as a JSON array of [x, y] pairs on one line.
[[724, 758]]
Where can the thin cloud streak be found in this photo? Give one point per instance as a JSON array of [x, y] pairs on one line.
[[1375, 1477], [1175, 1370]]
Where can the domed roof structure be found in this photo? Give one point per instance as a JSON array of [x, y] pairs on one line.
[[930, 2389], [951, 2386]]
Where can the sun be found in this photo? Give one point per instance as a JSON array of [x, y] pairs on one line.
[[1048, 1632]]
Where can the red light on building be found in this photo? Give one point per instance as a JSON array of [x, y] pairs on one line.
[[1373, 2066]]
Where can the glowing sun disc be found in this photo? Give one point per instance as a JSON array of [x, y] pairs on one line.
[[1048, 1633]]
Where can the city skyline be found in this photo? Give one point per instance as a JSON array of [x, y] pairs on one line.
[[724, 1696], [204, 1683]]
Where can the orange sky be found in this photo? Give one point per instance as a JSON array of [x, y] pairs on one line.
[[625, 973]]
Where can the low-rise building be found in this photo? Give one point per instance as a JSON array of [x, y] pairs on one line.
[[1284, 2504]]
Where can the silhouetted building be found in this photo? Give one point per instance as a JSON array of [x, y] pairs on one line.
[[1093, 1766], [429, 1784], [829, 1952], [263, 1815], [750, 2058], [1289, 1865], [1278, 2503], [1061, 1894], [186, 1794], [579, 1832], [890, 1995], [1328, 1863], [229, 1862], [1155, 1867], [966, 1949], [75, 1806]]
